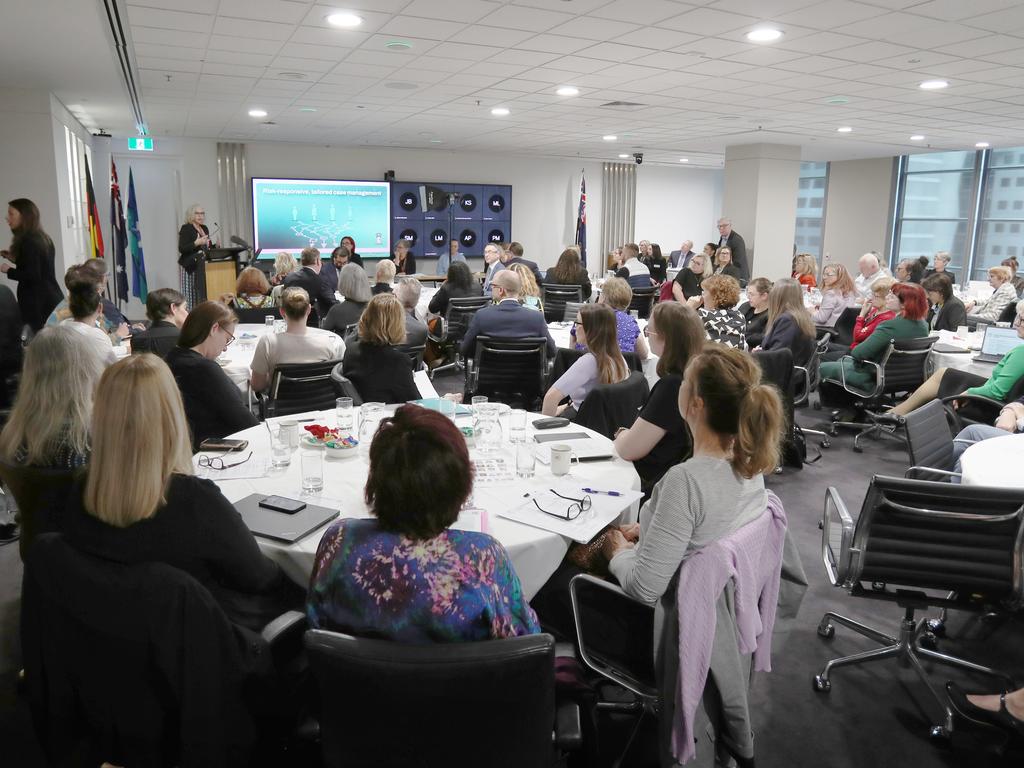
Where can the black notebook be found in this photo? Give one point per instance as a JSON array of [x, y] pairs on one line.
[[280, 526]]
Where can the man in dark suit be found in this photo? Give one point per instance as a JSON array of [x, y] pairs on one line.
[[681, 259], [514, 255], [739, 248], [507, 318], [308, 277], [340, 256], [167, 311]]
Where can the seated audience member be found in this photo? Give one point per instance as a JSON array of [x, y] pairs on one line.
[[617, 294], [873, 313], [946, 382], [514, 255], [947, 313], [529, 293], [307, 277], [252, 290], [717, 309], [988, 311], [459, 284], [384, 277], [602, 364], [687, 281], [405, 262], [49, 424], [789, 323], [371, 577], [507, 318], [634, 271], [755, 310], [1010, 421], [1018, 282], [910, 306], [453, 255], [213, 402], [113, 322], [408, 291], [837, 293], [492, 263], [332, 266], [379, 370], [284, 265], [11, 351], [86, 315], [941, 264], [353, 257], [656, 263], [355, 289], [167, 312], [736, 422], [909, 271], [296, 345], [870, 271], [1004, 710], [568, 270], [613, 262], [141, 502], [659, 438], [805, 269], [724, 265]]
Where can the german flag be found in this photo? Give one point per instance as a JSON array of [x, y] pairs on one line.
[[95, 233]]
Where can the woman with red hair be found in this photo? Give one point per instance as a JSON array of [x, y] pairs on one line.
[[910, 304]]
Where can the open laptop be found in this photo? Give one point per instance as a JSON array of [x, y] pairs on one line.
[[996, 343]]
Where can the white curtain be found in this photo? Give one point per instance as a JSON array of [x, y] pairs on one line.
[[618, 205], [235, 218]]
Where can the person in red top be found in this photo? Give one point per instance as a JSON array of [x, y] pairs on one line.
[[872, 314], [804, 269]]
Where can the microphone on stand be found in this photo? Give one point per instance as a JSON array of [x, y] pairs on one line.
[[216, 229]]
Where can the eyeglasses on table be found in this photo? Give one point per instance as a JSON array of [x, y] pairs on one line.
[[217, 462], [574, 510]]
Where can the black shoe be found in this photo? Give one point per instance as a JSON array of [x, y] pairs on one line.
[[893, 419], [1001, 719]]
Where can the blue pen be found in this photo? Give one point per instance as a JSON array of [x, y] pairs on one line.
[[606, 493]]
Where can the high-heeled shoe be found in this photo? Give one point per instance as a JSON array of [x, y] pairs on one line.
[[1001, 719]]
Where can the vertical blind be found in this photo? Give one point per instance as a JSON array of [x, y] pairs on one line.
[[618, 206], [232, 192]]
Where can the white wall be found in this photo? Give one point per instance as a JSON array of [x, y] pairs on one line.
[[676, 204], [858, 208]]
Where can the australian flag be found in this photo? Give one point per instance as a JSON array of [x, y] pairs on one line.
[[120, 236], [581, 221]]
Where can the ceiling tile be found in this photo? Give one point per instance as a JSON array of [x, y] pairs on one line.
[[284, 11], [707, 21], [530, 19]]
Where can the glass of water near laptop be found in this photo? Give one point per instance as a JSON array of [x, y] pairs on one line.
[[311, 455]]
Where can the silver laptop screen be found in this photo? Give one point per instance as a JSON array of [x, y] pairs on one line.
[[999, 341]]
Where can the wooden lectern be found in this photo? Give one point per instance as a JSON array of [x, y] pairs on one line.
[[221, 271]]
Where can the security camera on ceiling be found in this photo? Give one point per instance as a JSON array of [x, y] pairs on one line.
[[639, 157]]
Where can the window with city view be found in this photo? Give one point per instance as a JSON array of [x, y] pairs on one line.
[[810, 208]]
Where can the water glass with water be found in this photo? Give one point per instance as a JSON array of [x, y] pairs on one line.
[[312, 458], [488, 428], [344, 413], [517, 425], [268, 323], [370, 415]]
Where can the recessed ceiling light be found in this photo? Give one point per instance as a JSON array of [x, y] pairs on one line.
[[764, 35], [568, 90], [684, 159], [397, 45], [982, 145], [623, 157], [399, 85], [292, 75], [436, 141], [307, 109], [933, 85], [257, 113], [837, 100], [500, 111], [917, 137], [844, 129], [344, 20], [610, 137]]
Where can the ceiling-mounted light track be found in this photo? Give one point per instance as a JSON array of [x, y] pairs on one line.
[[125, 61]]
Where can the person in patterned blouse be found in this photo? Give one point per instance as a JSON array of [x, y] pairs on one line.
[[722, 321], [404, 574]]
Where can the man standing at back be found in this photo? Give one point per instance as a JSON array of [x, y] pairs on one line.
[[739, 248], [514, 255], [308, 277], [492, 263], [507, 318]]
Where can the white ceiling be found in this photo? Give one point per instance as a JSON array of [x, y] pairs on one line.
[[205, 63]]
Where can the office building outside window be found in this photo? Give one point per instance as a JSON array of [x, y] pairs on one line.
[[1002, 211], [810, 208]]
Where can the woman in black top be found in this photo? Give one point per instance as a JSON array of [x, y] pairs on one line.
[[213, 403], [140, 501], [32, 257], [686, 284], [755, 310], [405, 262], [789, 322], [166, 310], [381, 372], [568, 270], [948, 312], [193, 240], [723, 263], [657, 264], [458, 285], [355, 289]]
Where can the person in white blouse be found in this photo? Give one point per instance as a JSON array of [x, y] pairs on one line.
[[86, 307], [988, 311]]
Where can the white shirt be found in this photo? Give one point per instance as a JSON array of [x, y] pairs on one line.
[[636, 267], [863, 284], [274, 349], [95, 338]]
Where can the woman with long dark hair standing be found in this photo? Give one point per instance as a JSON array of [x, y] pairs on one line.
[[31, 256]]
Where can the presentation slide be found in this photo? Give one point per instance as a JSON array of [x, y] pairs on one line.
[[292, 214]]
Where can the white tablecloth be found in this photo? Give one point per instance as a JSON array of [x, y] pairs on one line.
[[535, 553], [963, 361], [237, 360], [995, 462]]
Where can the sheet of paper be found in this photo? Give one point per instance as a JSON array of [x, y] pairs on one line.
[[604, 509], [252, 469], [424, 384], [470, 519]]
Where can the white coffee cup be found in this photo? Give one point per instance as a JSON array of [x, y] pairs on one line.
[[561, 459]]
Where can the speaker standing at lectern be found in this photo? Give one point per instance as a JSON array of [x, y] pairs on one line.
[[193, 242]]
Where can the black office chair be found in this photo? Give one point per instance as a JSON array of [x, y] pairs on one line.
[[299, 387], [929, 443], [642, 301], [610, 406], [345, 386], [448, 704], [554, 296], [257, 315], [572, 309], [922, 535], [806, 379], [415, 354], [508, 370], [41, 496], [454, 325], [901, 370], [843, 329], [978, 409]]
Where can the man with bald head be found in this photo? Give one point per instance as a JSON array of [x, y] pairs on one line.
[[681, 259], [507, 318], [870, 271]]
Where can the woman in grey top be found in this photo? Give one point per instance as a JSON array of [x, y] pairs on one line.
[[720, 489]]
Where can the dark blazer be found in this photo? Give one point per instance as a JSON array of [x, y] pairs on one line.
[[382, 374], [950, 315], [756, 323], [342, 315], [355, 258], [408, 266], [213, 404], [786, 334], [190, 257], [508, 319], [319, 296], [730, 270], [530, 265], [329, 275], [415, 330], [160, 338], [679, 259], [739, 252], [38, 290], [439, 301]]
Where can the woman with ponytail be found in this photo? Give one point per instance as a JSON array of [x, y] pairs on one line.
[[736, 423]]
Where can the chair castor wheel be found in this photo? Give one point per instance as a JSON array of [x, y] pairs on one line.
[[833, 431], [939, 733], [825, 443], [928, 640], [858, 449], [828, 631], [821, 685], [936, 626]]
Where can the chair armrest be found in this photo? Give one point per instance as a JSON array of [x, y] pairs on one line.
[[263, 403], [568, 735], [836, 515], [825, 330], [874, 390], [802, 395], [924, 473], [285, 629], [981, 400]]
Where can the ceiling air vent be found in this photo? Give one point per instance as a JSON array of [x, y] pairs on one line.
[[623, 104]]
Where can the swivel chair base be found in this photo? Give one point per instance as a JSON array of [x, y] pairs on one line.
[[870, 428]]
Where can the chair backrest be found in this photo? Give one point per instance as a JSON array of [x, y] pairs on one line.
[[257, 315], [460, 313], [42, 497], [481, 703], [572, 308], [807, 378], [904, 369], [344, 385], [415, 354], [1009, 313], [299, 387], [954, 538], [510, 370], [610, 406], [555, 296], [844, 326], [929, 442], [643, 299], [565, 357]]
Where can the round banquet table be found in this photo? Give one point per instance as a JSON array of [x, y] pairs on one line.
[[535, 553], [994, 462]]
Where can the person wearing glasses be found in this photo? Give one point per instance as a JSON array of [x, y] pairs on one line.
[[213, 403], [193, 242], [140, 501], [732, 417], [405, 574]]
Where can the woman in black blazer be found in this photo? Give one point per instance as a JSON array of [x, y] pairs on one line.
[[379, 370], [458, 285], [193, 241], [948, 312], [789, 323], [32, 257]]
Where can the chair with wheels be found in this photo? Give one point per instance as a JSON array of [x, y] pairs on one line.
[[929, 443], [978, 409], [843, 329], [454, 325], [508, 370], [299, 387], [41, 496], [915, 535], [642, 301], [806, 379], [555, 296]]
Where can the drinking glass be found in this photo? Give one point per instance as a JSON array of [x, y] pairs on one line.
[[280, 448], [517, 425], [370, 415], [312, 458], [526, 459], [344, 413], [268, 323], [488, 428]]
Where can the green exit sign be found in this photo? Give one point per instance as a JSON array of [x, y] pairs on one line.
[[140, 144]]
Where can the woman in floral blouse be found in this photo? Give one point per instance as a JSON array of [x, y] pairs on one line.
[[404, 574]]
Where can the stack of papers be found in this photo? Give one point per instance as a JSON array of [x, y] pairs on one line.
[[604, 510]]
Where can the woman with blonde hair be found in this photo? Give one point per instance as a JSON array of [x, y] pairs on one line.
[[193, 242], [723, 263], [1001, 280], [602, 364], [49, 424], [789, 324], [379, 370], [617, 294], [284, 265], [805, 269], [252, 290], [837, 293], [140, 501], [529, 293]]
